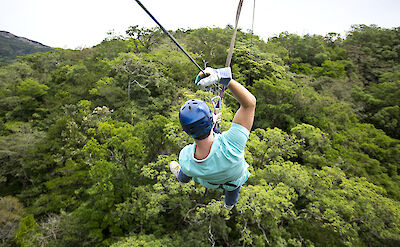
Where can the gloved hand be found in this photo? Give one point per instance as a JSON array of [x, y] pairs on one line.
[[213, 76], [217, 118]]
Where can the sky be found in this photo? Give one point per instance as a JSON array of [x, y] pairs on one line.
[[78, 24]]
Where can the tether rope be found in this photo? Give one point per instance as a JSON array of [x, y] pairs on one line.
[[228, 63], [252, 23]]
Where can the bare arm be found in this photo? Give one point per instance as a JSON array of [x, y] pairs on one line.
[[245, 115]]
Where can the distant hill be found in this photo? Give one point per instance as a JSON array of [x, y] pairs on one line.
[[12, 46]]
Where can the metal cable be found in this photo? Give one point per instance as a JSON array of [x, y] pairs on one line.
[[170, 36]]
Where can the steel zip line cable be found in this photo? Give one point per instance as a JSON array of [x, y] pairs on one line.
[[170, 36]]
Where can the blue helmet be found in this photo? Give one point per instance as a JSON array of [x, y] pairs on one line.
[[196, 118]]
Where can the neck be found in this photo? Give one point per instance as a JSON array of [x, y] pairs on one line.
[[203, 147]]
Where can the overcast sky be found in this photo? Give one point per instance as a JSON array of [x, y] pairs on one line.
[[84, 23]]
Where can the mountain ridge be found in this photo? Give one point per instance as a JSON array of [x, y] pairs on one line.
[[12, 46]]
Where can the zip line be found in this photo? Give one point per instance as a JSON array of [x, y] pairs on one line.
[[170, 36], [217, 104], [228, 64]]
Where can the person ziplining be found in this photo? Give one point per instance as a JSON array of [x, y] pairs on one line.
[[215, 160]]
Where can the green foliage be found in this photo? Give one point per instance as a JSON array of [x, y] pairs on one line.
[[30, 94], [388, 118], [147, 241], [25, 235], [22, 100], [353, 208], [254, 65], [368, 152], [380, 104], [276, 106], [108, 92], [11, 211], [317, 146], [86, 138], [144, 38], [332, 69], [306, 49], [373, 50], [20, 138], [211, 44], [271, 145]]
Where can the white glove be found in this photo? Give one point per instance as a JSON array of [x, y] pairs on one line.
[[211, 79], [214, 76]]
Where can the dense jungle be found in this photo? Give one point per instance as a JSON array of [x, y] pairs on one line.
[[87, 135]]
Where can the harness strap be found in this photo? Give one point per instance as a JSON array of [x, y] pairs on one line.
[[228, 63], [252, 24], [227, 183], [229, 58]]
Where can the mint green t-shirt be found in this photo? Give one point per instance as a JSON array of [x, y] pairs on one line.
[[224, 164]]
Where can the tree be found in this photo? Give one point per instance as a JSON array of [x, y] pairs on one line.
[[25, 234], [13, 147], [379, 105], [144, 37], [373, 50], [11, 211], [307, 49], [254, 65], [148, 241]]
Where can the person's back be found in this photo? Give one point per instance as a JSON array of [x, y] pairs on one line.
[[224, 163], [216, 160]]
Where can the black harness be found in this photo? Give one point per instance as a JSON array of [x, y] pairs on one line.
[[227, 183], [219, 186]]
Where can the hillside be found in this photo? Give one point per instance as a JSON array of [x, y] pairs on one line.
[[12, 46], [87, 136]]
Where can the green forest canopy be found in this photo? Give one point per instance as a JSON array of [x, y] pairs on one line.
[[87, 136]]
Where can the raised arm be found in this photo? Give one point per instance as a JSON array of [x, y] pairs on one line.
[[245, 115]]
